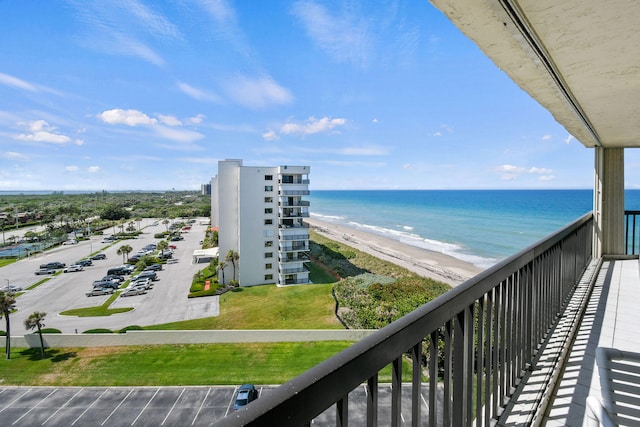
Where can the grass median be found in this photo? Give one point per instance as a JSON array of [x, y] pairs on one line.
[[169, 365]]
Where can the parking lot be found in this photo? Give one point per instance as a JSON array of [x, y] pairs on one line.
[[166, 302], [158, 406]]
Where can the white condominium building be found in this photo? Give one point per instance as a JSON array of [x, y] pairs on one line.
[[259, 213]]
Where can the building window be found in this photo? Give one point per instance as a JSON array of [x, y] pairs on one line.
[[268, 266], [268, 243], [268, 277], [268, 210], [268, 177], [268, 254], [268, 188], [268, 221], [268, 199]]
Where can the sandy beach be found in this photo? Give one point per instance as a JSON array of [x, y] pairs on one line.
[[423, 262]]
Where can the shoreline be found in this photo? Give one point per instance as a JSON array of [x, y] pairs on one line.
[[424, 262]]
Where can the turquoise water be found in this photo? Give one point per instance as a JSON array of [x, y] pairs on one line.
[[479, 226]]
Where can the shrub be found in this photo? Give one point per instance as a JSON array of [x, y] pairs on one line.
[[130, 328], [98, 331], [50, 331]]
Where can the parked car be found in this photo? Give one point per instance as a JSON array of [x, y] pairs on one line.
[[150, 274], [165, 255], [176, 238], [246, 394], [106, 284], [70, 242], [133, 291], [10, 289], [143, 282], [113, 278], [99, 256], [153, 267], [173, 247], [85, 262], [72, 268], [43, 271], [53, 265], [100, 291], [117, 271]]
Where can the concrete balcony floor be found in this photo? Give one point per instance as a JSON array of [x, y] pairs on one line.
[[611, 319], [608, 316]]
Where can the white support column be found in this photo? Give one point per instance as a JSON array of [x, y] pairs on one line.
[[608, 202]]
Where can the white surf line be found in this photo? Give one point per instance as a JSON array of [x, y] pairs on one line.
[[173, 407], [116, 408], [92, 403], [145, 407], [34, 407], [63, 406], [15, 400], [201, 405]]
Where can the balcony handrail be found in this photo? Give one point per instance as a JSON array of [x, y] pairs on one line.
[[518, 300], [632, 232]]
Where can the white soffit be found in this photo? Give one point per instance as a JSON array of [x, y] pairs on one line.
[[579, 58]]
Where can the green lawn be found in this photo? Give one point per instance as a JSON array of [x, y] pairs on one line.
[[166, 365], [269, 307], [101, 310]]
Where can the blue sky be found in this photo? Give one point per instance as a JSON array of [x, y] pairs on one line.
[[149, 95]]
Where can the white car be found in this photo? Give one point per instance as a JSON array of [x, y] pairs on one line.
[[70, 242], [74, 267]]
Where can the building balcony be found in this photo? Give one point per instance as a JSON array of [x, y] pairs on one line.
[[289, 247], [293, 192], [294, 203], [521, 335], [295, 235]]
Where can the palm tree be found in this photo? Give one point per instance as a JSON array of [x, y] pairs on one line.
[[35, 320], [6, 304], [166, 224], [138, 220], [232, 257], [221, 266], [162, 245], [124, 250]]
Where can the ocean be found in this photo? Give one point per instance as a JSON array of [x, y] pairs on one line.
[[478, 226]]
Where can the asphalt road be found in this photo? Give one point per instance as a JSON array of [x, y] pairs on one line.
[[166, 302]]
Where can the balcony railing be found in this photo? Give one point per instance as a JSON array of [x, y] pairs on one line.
[[632, 232], [480, 338], [283, 236]]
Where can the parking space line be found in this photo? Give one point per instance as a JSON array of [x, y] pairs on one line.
[[145, 406], [116, 408], [62, 407], [231, 401], [89, 407], [172, 407], [201, 405], [15, 400], [34, 406]]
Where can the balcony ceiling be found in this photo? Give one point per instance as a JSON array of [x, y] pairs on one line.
[[580, 59]]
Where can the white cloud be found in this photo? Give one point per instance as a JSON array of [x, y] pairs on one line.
[[126, 117], [40, 131], [196, 119], [546, 137], [511, 172], [8, 80], [93, 169], [311, 126], [71, 168], [343, 37], [569, 139], [270, 135], [199, 94], [365, 151], [179, 135], [257, 93], [12, 155], [169, 120], [374, 120]]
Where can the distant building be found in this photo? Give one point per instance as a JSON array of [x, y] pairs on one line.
[[205, 189], [259, 213]]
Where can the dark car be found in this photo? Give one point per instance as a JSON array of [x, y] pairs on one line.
[[84, 262], [246, 394], [153, 267], [54, 265], [117, 271], [113, 278], [106, 284], [99, 256], [148, 273]]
